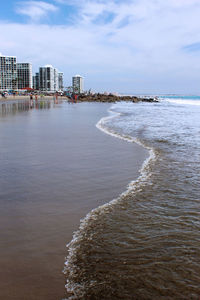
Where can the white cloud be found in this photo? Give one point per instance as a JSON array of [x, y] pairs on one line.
[[35, 9], [146, 53], [182, 3]]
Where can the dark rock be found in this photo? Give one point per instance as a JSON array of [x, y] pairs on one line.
[[113, 98]]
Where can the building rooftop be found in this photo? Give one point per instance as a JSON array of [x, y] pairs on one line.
[[48, 66], [7, 55]]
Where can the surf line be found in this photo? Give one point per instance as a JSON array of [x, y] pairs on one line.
[[144, 171], [71, 286]]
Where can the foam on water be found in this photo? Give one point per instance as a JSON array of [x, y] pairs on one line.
[[184, 102], [145, 243], [77, 290]]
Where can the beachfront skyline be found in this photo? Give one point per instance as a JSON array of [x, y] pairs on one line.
[[130, 46]]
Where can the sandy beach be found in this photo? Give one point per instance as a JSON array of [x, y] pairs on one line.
[[26, 97], [55, 167]]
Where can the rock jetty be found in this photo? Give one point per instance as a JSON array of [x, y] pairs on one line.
[[110, 98]]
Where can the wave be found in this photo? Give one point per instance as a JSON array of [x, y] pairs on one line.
[[144, 174], [74, 288], [184, 102]]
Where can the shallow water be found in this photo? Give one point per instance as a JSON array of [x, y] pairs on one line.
[[145, 244], [55, 167]]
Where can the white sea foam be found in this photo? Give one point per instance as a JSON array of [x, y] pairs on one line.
[[152, 155], [184, 102], [94, 214]]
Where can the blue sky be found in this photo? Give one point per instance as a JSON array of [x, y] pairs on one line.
[[129, 46]]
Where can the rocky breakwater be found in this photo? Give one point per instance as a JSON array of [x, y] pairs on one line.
[[110, 98]]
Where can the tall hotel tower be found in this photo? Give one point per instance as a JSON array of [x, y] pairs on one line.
[[60, 81], [24, 75], [36, 81], [48, 79], [77, 84], [8, 73]]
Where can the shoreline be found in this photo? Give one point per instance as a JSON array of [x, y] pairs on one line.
[[91, 217], [27, 98], [143, 173], [101, 98]]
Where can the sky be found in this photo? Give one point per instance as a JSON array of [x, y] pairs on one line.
[[124, 46]]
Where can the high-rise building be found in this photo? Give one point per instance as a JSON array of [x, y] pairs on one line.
[[55, 80], [8, 73], [36, 81], [17, 76], [77, 84], [48, 79], [24, 75], [60, 81]]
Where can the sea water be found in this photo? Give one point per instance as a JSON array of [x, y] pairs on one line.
[[146, 243]]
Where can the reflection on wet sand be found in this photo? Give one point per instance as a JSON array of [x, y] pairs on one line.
[[54, 170], [13, 107]]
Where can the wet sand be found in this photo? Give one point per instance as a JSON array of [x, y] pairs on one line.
[[55, 167], [26, 97]]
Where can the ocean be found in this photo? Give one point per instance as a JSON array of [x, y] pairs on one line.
[[145, 243]]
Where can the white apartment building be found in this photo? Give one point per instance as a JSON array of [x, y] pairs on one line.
[[24, 75], [55, 80], [60, 81], [8, 73], [77, 84], [48, 79]]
